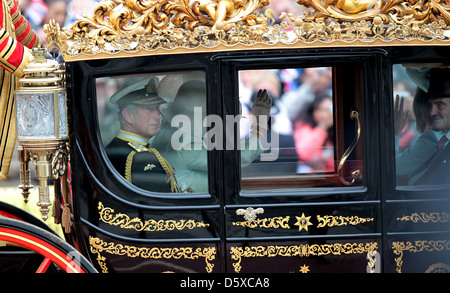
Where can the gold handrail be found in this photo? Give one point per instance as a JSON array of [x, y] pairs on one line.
[[356, 175]]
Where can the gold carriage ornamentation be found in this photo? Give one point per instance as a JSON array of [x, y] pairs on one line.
[[400, 247], [307, 250], [109, 216], [326, 221], [125, 27], [434, 217], [100, 247]]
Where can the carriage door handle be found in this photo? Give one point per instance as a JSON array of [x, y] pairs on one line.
[[357, 173], [249, 213]]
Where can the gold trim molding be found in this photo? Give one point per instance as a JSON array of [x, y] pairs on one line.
[[434, 217], [400, 247], [107, 215], [98, 247], [238, 253], [125, 28], [334, 221], [304, 221], [275, 223]]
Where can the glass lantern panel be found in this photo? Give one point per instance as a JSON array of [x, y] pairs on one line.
[[35, 115], [62, 114]]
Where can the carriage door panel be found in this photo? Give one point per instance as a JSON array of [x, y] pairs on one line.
[[304, 199], [417, 204], [133, 213]]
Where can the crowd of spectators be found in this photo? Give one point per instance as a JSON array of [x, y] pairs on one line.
[[301, 115], [64, 12]]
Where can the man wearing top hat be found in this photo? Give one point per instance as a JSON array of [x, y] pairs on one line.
[[130, 152], [428, 161]]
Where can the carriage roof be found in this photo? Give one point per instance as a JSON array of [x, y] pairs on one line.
[[125, 28]]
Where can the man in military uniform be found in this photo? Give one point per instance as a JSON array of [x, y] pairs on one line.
[[130, 152]]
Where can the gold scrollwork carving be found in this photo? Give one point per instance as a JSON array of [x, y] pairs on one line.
[[434, 217], [129, 26], [238, 253], [400, 247], [419, 11], [98, 246], [276, 222], [304, 221], [108, 216], [332, 221], [119, 17]]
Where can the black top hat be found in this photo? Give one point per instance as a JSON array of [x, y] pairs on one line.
[[439, 83], [145, 96]]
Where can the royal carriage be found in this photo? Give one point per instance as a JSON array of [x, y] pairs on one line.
[[275, 213]]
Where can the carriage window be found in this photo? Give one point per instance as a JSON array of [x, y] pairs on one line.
[[421, 123], [148, 129], [303, 145]]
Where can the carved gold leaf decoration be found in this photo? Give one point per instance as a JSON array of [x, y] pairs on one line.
[[420, 11], [146, 26], [118, 17], [108, 216]]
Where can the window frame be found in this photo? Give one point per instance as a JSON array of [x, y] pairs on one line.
[[117, 173], [99, 172], [405, 190], [319, 180], [369, 61]]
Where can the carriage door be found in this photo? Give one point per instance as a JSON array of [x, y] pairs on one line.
[[416, 185], [302, 197]]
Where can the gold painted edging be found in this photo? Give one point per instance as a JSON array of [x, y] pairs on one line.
[[400, 247], [238, 253], [109, 216], [98, 247], [244, 47]]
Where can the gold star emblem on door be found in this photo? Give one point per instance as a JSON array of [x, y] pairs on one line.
[[303, 222]]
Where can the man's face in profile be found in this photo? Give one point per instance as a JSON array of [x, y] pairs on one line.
[[439, 110]]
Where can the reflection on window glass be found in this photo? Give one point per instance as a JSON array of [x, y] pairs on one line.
[[148, 129], [300, 140], [421, 125]]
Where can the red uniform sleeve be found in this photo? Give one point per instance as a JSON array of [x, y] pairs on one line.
[[13, 54], [24, 33]]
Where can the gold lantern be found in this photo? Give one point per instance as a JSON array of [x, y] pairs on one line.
[[42, 126]]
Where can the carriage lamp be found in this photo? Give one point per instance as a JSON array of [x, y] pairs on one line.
[[41, 125]]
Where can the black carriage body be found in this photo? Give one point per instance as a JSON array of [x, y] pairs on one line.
[[342, 228]]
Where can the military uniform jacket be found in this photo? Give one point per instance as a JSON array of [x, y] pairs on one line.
[[141, 165]]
